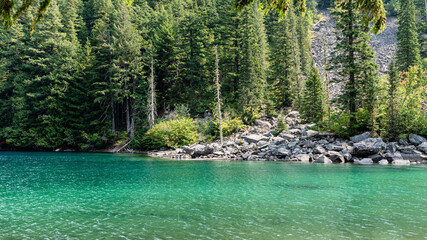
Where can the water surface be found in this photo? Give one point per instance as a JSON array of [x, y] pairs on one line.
[[120, 196]]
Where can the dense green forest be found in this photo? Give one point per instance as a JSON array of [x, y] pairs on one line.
[[97, 72]]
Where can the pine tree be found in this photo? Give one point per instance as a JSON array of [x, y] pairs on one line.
[[312, 107], [408, 53]]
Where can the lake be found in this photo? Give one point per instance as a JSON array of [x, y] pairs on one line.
[[129, 196]]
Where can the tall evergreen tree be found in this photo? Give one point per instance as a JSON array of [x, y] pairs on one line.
[[313, 100], [354, 61], [408, 53], [252, 90], [392, 111]]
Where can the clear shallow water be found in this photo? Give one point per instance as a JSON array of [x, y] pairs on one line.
[[118, 196]]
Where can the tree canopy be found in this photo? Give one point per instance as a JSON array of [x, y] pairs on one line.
[[372, 10]]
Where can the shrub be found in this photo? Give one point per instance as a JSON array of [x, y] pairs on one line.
[[250, 114], [281, 126], [170, 134], [209, 128]]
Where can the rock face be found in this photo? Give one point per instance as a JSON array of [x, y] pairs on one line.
[[416, 139], [368, 147]]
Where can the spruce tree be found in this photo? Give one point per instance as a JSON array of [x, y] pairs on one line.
[[312, 107], [408, 53]]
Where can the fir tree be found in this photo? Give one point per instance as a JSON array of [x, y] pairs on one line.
[[408, 53], [354, 62], [312, 109], [252, 92]]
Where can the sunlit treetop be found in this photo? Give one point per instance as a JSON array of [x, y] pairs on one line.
[[372, 10], [10, 11]]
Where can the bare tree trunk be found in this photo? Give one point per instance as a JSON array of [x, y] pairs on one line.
[[152, 99], [218, 93], [326, 75], [127, 116]]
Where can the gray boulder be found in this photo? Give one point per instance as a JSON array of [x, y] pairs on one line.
[[383, 162], [416, 139], [254, 138], [303, 158], [364, 161], [281, 152], [401, 162], [360, 137], [423, 147], [335, 156], [347, 155], [319, 150], [323, 159], [368, 147], [198, 150], [311, 133], [262, 123]]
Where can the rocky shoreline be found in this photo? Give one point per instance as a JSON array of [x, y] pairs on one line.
[[300, 144]]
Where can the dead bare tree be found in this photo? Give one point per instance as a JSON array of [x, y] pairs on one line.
[[218, 94]]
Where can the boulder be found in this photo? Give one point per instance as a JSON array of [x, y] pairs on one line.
[[360, 137], [293, 114], [376, 158], [254, 138], [416, 156], [262, 123], [303, 158], [293, 144], [368, 147], [286, 136], [281, 152], [335, 156], [416, 139], [278, 140], [198, 150], [401, 162], [295, 131], [323, 159], [423, 147], [383, 162], [311, 133], [364, 161], [391, 147], [347, 155], [262, 144], [319, 150]]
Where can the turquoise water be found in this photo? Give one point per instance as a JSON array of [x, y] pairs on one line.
[[119, 196]]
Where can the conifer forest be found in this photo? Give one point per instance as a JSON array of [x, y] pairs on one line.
[[150, 74]]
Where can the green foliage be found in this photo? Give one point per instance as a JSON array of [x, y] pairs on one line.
[[408, 52], [209, 128], [250, 114], [170, 134], [312, 109], [340, 121], [281, 125]]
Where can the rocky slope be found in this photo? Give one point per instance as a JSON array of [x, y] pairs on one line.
[[300, 144], [384, 45]]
